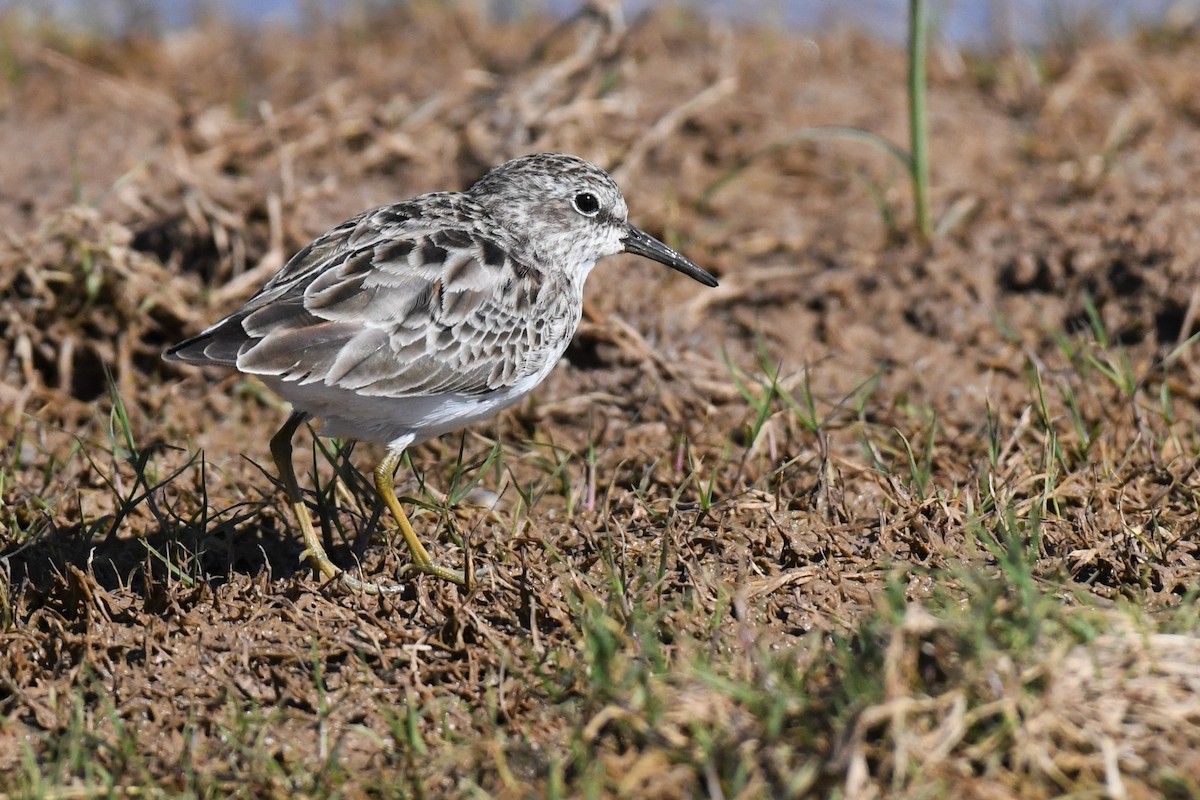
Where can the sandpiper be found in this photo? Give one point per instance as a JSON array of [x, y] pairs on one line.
[[415, 319]]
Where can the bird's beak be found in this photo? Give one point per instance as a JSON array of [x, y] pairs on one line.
[[641, 243]]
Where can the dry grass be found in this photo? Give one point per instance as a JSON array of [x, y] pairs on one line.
[[871, 519]]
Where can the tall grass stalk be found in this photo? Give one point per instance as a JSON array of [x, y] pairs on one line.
[[918, 125], [914, 161]]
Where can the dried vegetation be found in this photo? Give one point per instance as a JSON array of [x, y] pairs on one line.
[[872, 518]]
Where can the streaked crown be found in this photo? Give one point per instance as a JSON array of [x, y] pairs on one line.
[[570, 211]]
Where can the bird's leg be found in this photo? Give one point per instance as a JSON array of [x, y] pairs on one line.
[[386, 486], [281, 449], [314, 550]]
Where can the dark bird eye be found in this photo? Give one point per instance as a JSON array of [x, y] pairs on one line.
[[586, 203]]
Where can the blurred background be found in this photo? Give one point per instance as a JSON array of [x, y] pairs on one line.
[[974, 23]]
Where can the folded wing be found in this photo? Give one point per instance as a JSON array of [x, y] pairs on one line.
[[397, 302]]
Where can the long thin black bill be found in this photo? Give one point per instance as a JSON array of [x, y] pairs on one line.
[[641, 243]]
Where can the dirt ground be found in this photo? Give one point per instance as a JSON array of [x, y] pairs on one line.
[[876, 517]]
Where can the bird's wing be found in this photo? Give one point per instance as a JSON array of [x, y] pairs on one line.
[[397, 302]]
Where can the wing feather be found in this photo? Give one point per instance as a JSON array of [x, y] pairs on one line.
[[402, 301]]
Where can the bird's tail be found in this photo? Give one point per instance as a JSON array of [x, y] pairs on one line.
[[209, 348]]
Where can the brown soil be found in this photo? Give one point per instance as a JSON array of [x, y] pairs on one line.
[[150, 186]]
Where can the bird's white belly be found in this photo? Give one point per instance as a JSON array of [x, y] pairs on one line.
[[399, 421]]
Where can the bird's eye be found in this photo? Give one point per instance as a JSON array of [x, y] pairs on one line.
[[586, 203]]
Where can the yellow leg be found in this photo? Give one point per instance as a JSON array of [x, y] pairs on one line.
[[386, 486], [314, 550], [281, 449]]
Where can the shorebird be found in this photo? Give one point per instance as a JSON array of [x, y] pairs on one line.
[[416, 319]]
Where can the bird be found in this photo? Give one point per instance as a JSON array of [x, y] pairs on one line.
[[415, 319]]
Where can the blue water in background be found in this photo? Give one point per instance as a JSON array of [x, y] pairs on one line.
[[968, 23]]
